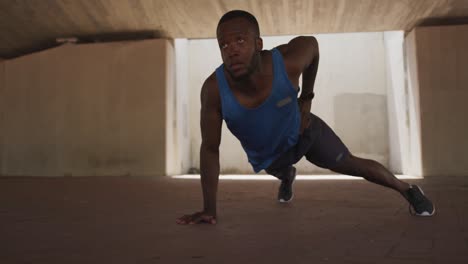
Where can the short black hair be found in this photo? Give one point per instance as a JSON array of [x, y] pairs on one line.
[[240, 13]]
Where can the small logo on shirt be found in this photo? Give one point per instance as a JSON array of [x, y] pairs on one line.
[[284, 101]]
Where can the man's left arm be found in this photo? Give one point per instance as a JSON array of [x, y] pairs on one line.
[[311, 63], [303, 57]]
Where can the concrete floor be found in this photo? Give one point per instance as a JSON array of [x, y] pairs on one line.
[[132, 220]]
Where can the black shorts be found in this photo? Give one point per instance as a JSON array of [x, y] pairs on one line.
[[318, 143]]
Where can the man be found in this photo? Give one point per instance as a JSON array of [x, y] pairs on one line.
[[255, 92]]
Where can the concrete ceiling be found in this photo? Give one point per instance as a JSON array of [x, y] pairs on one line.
[[31, 25]]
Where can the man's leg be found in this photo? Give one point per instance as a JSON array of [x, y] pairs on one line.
[[371, 171], [287, 175], [283, 169], [328, 151], [377, 173]]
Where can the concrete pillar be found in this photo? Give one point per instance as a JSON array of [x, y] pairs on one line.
[[438, 63], [95, 109]]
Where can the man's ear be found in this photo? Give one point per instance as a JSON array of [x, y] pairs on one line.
[[259, 44]]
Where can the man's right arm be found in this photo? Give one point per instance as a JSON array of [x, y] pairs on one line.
[[210, 123]]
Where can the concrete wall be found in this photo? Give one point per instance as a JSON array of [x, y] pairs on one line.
[[95, 109], [171, 142], [414, 113], [439, 60], [2, 90], [182, 105], [397, 103], [351, 89]]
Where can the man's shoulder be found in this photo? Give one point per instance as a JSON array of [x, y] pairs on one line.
[[298, 52], [288, 59], [295, 45], [285, 51], [210, 89], [211, 83], [211, 80], [282, 49]]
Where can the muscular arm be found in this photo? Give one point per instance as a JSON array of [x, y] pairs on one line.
[[210, 122], [301, 56]]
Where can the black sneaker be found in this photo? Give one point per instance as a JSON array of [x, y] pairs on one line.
[[420, 205], [285, 192]]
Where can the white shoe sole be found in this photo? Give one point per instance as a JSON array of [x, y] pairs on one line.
[[284, 201], [426, 214]]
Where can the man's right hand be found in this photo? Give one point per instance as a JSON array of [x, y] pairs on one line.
[[197, 218]]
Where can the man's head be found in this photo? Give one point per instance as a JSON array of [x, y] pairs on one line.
[[239, 40]]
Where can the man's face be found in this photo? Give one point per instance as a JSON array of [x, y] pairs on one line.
[[238, 44]]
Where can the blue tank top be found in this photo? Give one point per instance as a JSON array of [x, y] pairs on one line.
[[266, 131]]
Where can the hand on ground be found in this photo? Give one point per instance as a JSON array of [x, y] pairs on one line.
[[197, 218]]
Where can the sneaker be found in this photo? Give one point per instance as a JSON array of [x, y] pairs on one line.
[[420, 205], [285, 192]]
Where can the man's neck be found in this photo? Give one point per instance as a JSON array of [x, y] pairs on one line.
[[258, 70]]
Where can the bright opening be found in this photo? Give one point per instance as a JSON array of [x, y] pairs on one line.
[[298, 177]]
